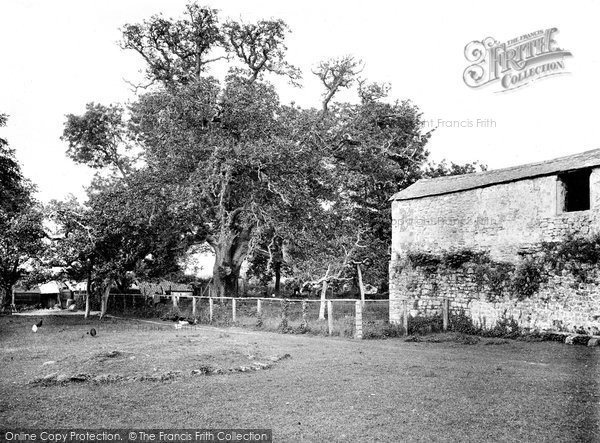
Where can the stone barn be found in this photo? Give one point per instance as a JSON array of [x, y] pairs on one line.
[[511, 245]]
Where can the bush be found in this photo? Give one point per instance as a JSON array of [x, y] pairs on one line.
[[463, 324], [428, 263], [496, 275], [387, 330], [425, 325], [527, 279], [505, 328]]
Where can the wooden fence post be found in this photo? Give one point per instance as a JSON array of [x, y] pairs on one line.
[[445, 312], [358, 318], [233, 307], [210, 309], [405, 316], [284, 325], [304, 325], [258, 306], [330, 316], [194, 306]]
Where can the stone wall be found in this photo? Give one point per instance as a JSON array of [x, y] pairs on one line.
[[502, 219], [570, 224], [507, 221], [560, 304]]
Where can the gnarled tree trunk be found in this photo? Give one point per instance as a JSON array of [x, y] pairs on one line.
[[230, 252], [7, 297], [105, 295]]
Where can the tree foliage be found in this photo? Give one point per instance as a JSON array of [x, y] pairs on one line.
[[442, 169], [336, 74], [122, 234], [228, 179], [176, 50], [21, 231], [98, 138], [261, 47], [14, 188], [298, 192]]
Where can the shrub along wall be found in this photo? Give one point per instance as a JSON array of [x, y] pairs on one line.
[[554, 287]]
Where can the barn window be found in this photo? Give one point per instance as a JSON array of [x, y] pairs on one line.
[[574, 191]]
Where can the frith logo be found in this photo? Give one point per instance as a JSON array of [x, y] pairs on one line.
[[515, 63]]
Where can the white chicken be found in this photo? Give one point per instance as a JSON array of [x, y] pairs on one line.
[[180, 324]]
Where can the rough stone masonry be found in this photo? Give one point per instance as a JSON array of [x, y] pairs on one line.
[[508, 214]]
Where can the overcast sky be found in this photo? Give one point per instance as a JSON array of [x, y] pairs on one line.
[[59, 55]]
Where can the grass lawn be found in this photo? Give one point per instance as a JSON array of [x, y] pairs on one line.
[[136, 374]]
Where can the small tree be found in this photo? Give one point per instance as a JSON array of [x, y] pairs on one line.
[[73, 246]]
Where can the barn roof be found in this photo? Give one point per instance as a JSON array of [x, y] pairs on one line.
[[457, 183]]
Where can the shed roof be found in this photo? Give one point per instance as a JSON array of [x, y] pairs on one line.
[[457, 183], [52, 287], [163, 287]]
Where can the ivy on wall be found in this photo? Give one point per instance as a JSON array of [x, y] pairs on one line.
[[579, 257]]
